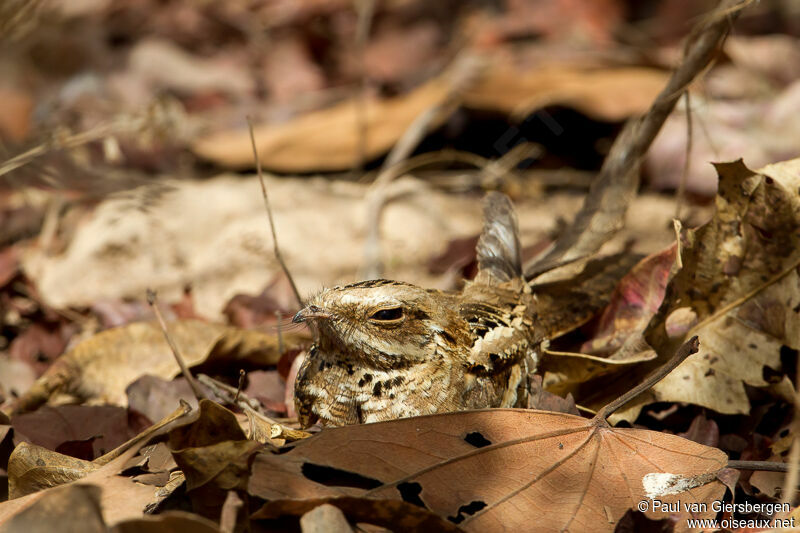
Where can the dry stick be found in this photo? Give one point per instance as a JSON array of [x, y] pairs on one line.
[[765, 466], [196, 390], [276, 249], [603, 211], [242, 374], [688, 348], [681, 192], [157, 428], [227, 394]]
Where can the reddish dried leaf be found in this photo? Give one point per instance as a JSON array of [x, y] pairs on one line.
[[51, 427], [269, 388], [634, 302], [703, 430], [40, 344]]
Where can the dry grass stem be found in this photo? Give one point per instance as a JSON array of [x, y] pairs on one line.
[[152, 300], [276, 249]]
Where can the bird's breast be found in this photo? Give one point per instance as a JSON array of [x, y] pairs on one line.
[[337, 390]]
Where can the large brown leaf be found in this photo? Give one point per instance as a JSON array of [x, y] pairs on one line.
[[493, 469]]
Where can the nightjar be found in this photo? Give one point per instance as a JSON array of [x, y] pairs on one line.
[[387, 349]]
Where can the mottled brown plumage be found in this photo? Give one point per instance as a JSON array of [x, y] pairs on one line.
[[387, 349]]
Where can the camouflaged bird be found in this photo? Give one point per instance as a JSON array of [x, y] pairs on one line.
[[386, 349]]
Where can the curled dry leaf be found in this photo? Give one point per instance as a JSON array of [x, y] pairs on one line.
[[617, 339], [32, 468], [99, 369], [492, 469], [214, 455], [634, 302]]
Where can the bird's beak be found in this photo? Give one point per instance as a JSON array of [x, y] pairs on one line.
[[312, 311]]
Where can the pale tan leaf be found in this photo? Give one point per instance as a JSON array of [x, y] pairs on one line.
[[324, 518], [32, 468]]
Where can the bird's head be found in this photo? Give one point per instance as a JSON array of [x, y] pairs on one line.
[[385, 324]]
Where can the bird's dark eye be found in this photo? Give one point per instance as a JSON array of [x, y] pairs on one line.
[[395, 313]]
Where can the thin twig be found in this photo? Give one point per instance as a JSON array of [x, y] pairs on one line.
[[275, 247], [152, 299], [464, 73], [688, 348]]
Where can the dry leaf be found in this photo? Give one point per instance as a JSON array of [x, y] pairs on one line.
[[328, 139], [743, 261], [605, 94], [32, 468], [99, 369], [324, 140], [493, 469], [106, 426], [324, 518], [70, 509], [634, 302], [160, 64], [214, 455], [105, 474]]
